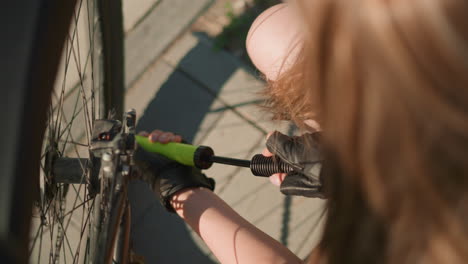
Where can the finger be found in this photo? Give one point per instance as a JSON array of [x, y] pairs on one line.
[[312, 125], [153, 137], [267, 153], [282, 177], [143, 133], [277, 178], [157, 132], [166, 137], [269, 134], [177, 138]]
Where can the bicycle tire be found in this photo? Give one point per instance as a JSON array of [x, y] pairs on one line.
[[48, 30]]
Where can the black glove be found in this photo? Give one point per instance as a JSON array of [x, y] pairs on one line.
[[304, 154], [167, 176]]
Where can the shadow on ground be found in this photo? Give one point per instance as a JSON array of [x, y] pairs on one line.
[[180, 106], [183, 101]]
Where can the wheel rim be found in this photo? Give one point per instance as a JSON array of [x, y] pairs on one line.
[[64, 213]]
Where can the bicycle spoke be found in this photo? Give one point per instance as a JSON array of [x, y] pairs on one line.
[[75, 143], [64, 256], [75, 112], [67, 58], [91, 32], [77, 85], [75, 148], [78, 206], [77, 42], [70, 41], [47, 208], [64, 237], [60, 232], [35, 239], [64, 234], [65, 228], [76, 192], [67, 210], [83, 229], [51, 231], [69, 125], [76, 199], [74, 204], [76, 56], [85, 108], [40, 244], [67, 61]]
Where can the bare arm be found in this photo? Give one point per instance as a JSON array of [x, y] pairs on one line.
[[229, 236]]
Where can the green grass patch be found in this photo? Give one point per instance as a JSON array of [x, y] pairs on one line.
[[233, 36]]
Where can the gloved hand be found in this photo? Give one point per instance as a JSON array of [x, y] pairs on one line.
[[304, 154], [167, 177]]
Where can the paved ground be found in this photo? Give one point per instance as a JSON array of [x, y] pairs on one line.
[[177, 82]]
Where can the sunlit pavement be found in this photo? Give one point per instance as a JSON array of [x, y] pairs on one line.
[[177, 82]]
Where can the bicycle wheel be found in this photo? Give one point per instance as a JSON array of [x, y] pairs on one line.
[[89, 84]]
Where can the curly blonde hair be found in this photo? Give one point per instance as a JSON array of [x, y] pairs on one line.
[[388, 82]]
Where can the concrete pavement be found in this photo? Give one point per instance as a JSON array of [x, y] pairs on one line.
[[178, 82]]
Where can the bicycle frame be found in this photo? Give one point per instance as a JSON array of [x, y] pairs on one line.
[[112, 148], [114, 144]]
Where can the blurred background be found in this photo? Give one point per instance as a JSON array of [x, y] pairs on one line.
[[187, 71]]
